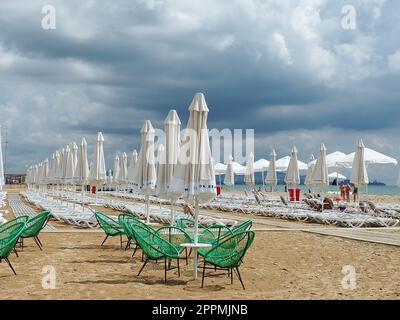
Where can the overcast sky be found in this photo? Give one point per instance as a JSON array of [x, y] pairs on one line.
[[286, 68]]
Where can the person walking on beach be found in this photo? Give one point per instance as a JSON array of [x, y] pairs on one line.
[[355, 193], [342, 191], [347, 192]]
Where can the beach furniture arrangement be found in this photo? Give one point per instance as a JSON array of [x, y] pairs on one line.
[[170, 243]]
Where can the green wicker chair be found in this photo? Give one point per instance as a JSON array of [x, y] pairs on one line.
[[176, 236], [155, 248], [213, 235], [9, 226], [188, 226], [110, 227], [228, 254], [125, 220], [33, 227], [8, 239], [239, 228]]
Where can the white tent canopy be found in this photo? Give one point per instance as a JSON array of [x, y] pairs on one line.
[[261, 165], [220, 168], [337, 175], [332, 159], [370, 157], [283, 164]]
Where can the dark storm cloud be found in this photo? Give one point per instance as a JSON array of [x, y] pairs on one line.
[[284, 68]]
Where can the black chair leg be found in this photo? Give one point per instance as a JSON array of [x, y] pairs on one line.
[[144, 264], [37, 243], [231, 271], [204, 273], [40, 242], [128, 244], [187, 260], [104, 240], [240, 278], [134, 251], [179, 270], [9, 264], [16, 253], [120, 240], [165, 269]]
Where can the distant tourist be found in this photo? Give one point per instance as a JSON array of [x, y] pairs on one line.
[[347, 192], [355, 193], [342, 191]]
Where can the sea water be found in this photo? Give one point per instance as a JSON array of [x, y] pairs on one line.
[[372, 190]]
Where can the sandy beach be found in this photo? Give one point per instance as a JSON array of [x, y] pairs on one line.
[[281, 264]]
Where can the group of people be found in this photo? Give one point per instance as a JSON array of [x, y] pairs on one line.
[[346, 190]]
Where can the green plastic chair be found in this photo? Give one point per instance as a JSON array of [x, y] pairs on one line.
[[8, 227], [110, 227], [213, 235], [155, 248], [125, 220], [229, 254], [188, 226], [176, 236], [239, 228], [8, 240], [33, 227]]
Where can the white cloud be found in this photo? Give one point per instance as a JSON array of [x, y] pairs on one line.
[[280, 49], [394, 61]]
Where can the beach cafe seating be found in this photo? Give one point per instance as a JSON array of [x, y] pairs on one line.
[[8, 239], [228, 255]]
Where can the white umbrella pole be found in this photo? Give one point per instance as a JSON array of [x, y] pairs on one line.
[[172, 212], [196, 236], [262, 175], [83, 202], [147, 209]]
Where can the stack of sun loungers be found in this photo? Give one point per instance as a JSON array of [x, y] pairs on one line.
[[63, 211], [157, 213], [274, 206], [3, 196], [19, 208], [352, 216]]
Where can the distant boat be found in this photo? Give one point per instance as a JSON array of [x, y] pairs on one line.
[[377, 183]]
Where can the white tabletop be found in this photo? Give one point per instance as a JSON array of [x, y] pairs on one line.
[[196, 245]]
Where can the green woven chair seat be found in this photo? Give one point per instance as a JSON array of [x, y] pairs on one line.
[[8, 241], [35, 224], [110, 226]]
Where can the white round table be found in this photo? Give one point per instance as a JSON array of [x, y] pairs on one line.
[[195, 247]]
